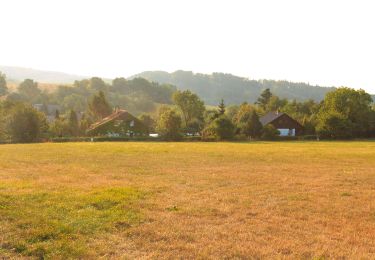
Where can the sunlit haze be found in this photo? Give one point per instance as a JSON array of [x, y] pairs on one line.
[[330, 43]]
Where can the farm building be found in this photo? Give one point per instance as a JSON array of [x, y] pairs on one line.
[[286, 125], [119, 123]]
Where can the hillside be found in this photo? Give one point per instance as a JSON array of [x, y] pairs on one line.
[[233, 89], [211, 88], [17, 74]]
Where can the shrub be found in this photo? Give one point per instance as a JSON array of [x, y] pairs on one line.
[[223, 128], [270, 132]]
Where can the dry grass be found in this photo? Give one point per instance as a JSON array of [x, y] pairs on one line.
[[188, 200]]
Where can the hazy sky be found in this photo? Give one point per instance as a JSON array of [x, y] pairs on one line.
[[327, 42]]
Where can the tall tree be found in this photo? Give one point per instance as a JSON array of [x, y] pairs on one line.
[[97, 84], [99, 106], [190, 105], [148, 121], [3, 85], [25, 124], [223, 128], [169, 124], [29, 90], [264, 98], [221, 107], [345, 112], [247, 121], [73, 123]]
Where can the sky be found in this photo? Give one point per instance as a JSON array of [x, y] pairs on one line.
[[325, 42]]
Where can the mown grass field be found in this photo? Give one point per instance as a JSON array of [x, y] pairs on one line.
[[188, 200]]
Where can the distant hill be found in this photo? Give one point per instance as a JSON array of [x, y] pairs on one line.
[[211, 88], [18, 74], [233, 89]]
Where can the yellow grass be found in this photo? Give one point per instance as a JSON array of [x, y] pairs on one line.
[[188, 200]]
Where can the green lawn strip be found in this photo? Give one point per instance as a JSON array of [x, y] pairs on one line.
[[59, 223]]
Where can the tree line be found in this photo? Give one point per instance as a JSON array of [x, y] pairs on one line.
[[343, 113]]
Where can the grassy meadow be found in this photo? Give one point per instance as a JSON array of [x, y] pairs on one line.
[[304, 200]]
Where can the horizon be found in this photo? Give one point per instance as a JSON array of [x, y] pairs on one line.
[[319, 43]]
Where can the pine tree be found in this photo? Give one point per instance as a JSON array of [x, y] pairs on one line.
[[57, 114], [221, 107], [99, 106], [73, 123]]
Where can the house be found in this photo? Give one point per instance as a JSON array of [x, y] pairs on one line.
[[119, 123], [286, 125]]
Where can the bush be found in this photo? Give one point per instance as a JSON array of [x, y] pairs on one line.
[[270, 132], [223, 128]]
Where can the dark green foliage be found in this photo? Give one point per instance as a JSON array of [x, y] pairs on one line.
[[345, 113], [270, 132], [191, 107], [97, 84], [99, 106], [252, 126], [169, 125], [148, 121], [73, 123], [3, 85], [221, 107], [223, 128], [264, 98], [247, 121], [29, 90], [25, 124]]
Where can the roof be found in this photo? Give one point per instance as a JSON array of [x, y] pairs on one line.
[[269, 117], [117, 113]]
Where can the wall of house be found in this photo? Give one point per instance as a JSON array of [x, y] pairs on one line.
[[287, 125]]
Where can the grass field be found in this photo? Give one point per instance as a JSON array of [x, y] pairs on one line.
[[309, 200]]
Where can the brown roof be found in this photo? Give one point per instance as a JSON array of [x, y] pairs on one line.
[[269, 117], [117, 113]]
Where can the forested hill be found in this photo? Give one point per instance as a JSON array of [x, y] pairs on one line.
[[235, 90]]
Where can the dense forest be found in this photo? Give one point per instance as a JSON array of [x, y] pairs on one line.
[[212, 88]]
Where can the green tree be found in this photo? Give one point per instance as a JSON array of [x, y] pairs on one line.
[[99, 106], [3, 85], [264, 98], [97, 84], [73, 123], [221, 107], [269, 132], [345, 113], [190, 105], [148, 121], [75, 102], [247, 121], [25, 124], [84, 124], [29, 90], [334, 125], [223, 128], [252, 127], [169, 125]]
